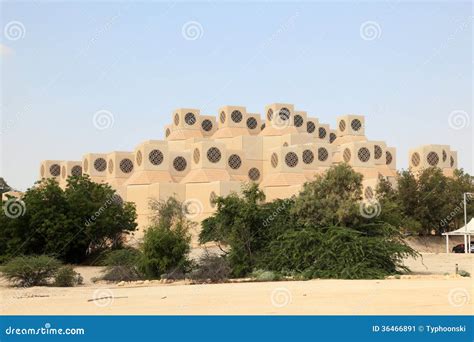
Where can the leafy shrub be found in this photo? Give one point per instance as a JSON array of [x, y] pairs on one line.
[[211, 267], [67, 277], [122, 265], [30, 270], [463, 273], [262, 275]]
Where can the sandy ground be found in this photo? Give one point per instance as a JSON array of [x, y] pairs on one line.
[[427, 291]]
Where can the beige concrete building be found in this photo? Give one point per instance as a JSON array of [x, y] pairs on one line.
[[203, 157]]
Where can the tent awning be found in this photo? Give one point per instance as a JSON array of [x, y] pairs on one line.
[[463, 230]]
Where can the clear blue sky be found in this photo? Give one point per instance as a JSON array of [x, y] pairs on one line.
[[73, 59]]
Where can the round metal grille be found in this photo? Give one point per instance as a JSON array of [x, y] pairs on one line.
[[270, 115], [322, 154], [308, 156], [179, 163], [310, 127], [388, 158], [377, 152], [236, 116], [356, 124], [55, 170], [196, 155], [291, 159], [369, 193], [100, 164], [347, 155], [445, 156], [213, 155], [415, 159], [252, 123], [111, 166], [234, 161], [76, 171], [155, 157], [206, 125], [212, 199], [126, 165], [222, 117], [332, 137], [322, 132], [274, 160], [254, 174], [176, 119], [363, 154], [342, 125], [190, 119], [117, 199], [298, 120], [451, 161], [284, 114], [432, 158], [168, 132], [262, 127], [139, 158]]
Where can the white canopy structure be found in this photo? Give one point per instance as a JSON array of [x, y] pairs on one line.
[[467, 231]]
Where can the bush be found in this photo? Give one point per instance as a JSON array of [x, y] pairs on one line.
[[122, 265], [262, 275], [31, 270], [463, 273], [211, 267], [67, 277]]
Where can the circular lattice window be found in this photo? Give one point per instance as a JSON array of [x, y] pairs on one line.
[[126, 165], [322, 154], [451, 161], [213, 155], [111, 166], [284, 114], [342, 125], [254, 174], [308, 156], [139, 158], [252, 123], [236, 116], [176, 119], [55, 170], [234, 161], [100, 164], [222, 117], [155, 157], [212, 199], [63, 172], [190, 119], [291, 159], [118, 200], [356, 124], [42, 171], [76, 171], [377, 152], [388, 158], [86, 165], [310, 127], [432, 158], [347, 155], [298, 120], [322, 132], [363, 154], [445, 156], [415, 159], [332, 137], [196, 155], [179, 163], [270, 115], [274, 160], [206, 125], [168, 132], [369, 193]]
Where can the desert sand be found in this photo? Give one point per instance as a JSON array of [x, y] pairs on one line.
[[428, 290]]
